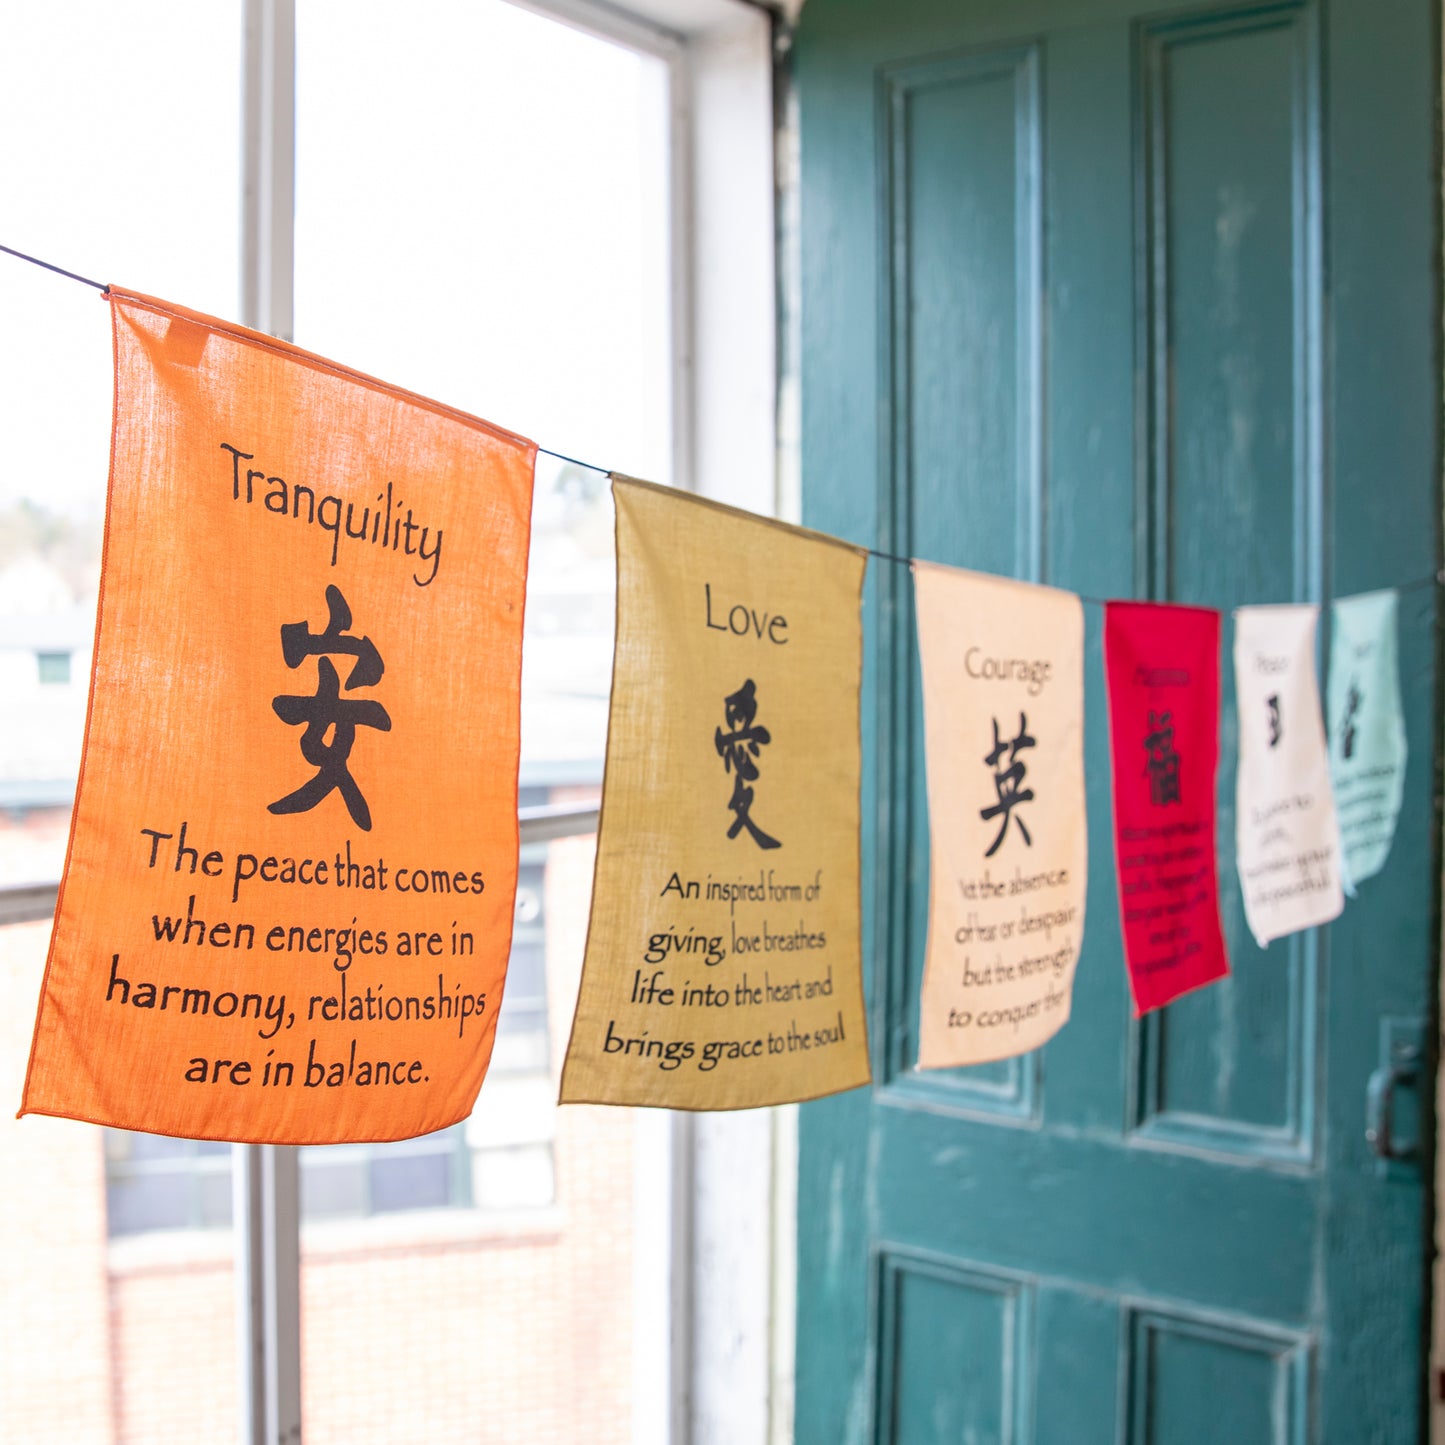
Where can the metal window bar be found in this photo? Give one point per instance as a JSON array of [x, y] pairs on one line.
[[34, 902]]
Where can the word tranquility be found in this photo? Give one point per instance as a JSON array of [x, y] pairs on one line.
[[382, 527]]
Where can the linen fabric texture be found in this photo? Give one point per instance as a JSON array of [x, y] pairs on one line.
[[1161, 665], [287, 904], [723, 965], [1368, 751], [1003, 705]]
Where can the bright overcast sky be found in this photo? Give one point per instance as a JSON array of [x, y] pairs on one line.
[[479, 214]]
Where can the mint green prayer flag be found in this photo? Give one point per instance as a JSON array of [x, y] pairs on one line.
[[1366, 729]]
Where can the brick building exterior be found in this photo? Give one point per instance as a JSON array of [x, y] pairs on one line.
[[430, 1326]]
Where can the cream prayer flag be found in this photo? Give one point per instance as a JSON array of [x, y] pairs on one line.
[[723, 964], [1003, 705], [1287, 837], [287, 904]]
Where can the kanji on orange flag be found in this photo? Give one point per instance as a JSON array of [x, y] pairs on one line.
[[287, 903]]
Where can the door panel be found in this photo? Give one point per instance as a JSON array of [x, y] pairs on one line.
[[1230, 229], [962, 149], [1213, 1384], [952, 1344], [1139, 302]]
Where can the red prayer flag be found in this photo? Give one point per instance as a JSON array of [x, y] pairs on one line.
[[1162, 665]]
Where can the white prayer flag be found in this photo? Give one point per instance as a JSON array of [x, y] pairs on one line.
[[1288, 838]]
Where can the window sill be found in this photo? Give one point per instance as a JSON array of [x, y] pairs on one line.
[[168, 1251]]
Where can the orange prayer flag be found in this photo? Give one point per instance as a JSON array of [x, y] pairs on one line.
[[287, 903]]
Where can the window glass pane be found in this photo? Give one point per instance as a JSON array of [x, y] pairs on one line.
[[333, 1189], [121, 162], [138, 1202], [496, 235], [53, 668], [418, 1182]]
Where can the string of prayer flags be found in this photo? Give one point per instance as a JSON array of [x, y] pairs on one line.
[[1288, 842], [287, 904], [1366, 730], [1162, 670], [1003, 706], [723, 960]]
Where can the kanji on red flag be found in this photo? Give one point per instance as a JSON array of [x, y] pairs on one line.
[[1162, 666]]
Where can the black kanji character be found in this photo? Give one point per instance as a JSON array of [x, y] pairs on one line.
[[1007, 780], [738, 748], [326, 714]]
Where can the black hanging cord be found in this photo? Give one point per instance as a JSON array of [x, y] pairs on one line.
[[59, 270], [1437, 580], [586, 466], [607, 471]]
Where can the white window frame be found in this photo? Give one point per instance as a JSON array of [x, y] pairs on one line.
[[716, 1191]]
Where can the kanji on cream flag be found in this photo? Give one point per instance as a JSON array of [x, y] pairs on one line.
[[723, 964], [287, 904], [1287, 835], [1003, 710]]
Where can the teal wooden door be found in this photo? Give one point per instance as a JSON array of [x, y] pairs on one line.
[[1136, 299]]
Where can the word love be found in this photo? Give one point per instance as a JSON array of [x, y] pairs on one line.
[[741, 620]]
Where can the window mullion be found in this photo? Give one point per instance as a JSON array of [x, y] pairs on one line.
[[268, 166], [267, 1187]]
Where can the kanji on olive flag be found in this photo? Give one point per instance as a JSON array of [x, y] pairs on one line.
[[723, 966], [287, 903]]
